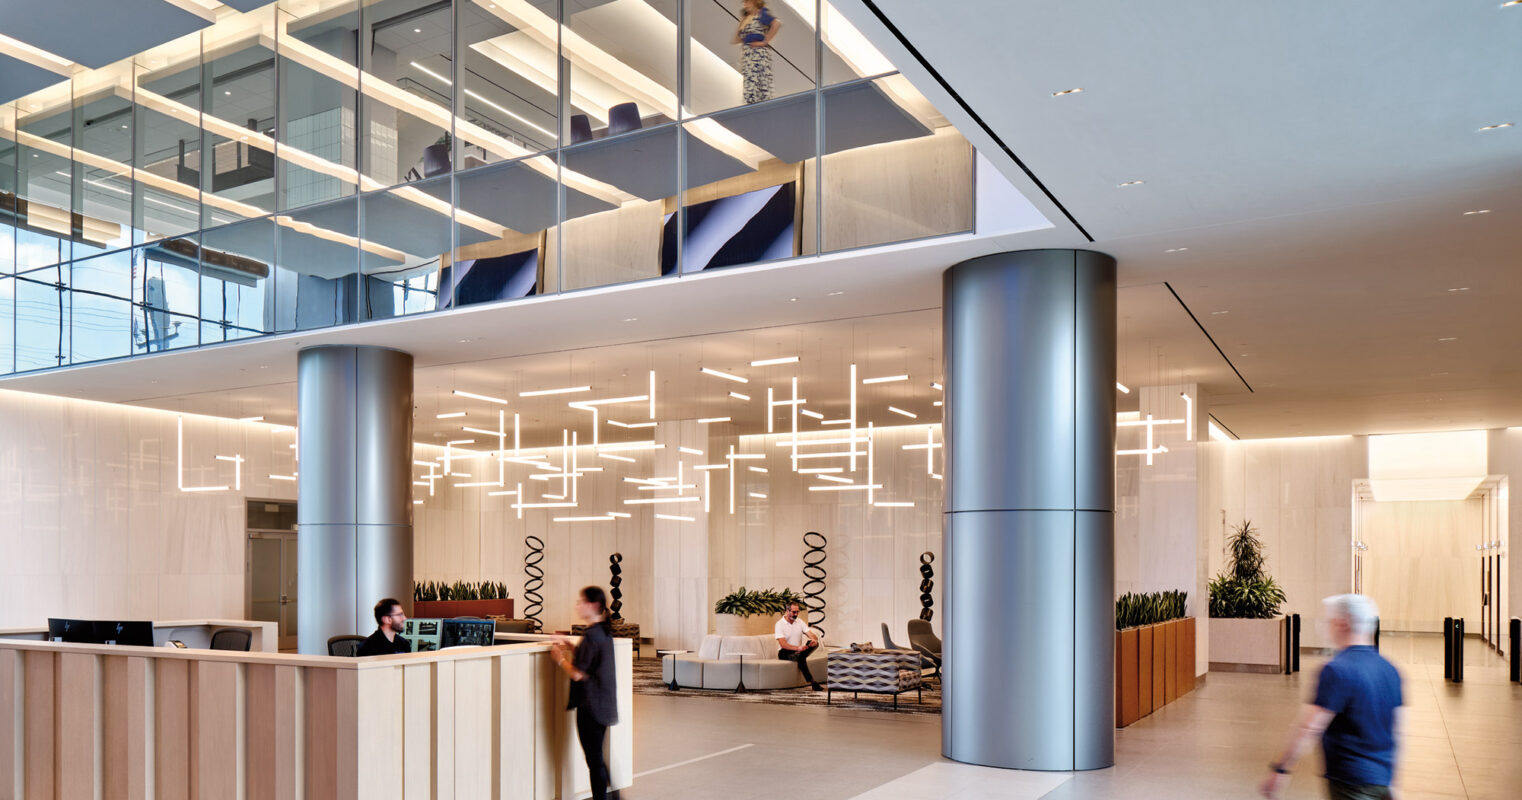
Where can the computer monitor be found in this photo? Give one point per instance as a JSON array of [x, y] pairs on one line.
[[71, 630], [423, 633], [468, 633], [128, 632]]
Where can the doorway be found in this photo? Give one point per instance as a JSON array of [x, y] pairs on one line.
[[271, 578]]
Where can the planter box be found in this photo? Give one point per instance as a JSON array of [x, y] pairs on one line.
[[1154, 665], [463, 608], [754, 625], [1247, 645]]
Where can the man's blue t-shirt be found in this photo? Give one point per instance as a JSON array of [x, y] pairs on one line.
[[1363, 689]]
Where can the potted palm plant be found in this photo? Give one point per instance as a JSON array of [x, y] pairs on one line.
[[1246, 634]]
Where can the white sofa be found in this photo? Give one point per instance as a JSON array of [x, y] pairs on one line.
[[718, 664]]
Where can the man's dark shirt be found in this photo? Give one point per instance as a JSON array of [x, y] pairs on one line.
[[1363, 689], [376, 645]]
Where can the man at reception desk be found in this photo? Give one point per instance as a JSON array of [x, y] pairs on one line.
[[390, 621]]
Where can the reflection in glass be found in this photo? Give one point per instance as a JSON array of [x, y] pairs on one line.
[[740, 213], [412, 223], [893, 168], [619, 244], [165, 296], [622, 59], [845, 52], [724, 73], [44, 179], [7, 323], [167, 148], [103, 150], [238, 161], [405, 117], [42, 314], [507, 84], [237, 282], [317, 48], [509, 260], [317, 266], [101, 316]]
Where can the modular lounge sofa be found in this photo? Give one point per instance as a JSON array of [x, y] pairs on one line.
[[718, 665]]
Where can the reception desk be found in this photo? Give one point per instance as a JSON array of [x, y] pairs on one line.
[[83, 721], [263, 636]]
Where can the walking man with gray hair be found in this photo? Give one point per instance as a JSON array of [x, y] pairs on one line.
[[1353, 712]]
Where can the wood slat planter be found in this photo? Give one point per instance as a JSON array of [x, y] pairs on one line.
[[1154, 665]]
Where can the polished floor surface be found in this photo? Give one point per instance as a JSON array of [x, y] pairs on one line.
[[1458, 741]]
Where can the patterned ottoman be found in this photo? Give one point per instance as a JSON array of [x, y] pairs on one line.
[[880, 671]]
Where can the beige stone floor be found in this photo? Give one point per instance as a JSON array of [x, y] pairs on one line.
[[1457, 741]]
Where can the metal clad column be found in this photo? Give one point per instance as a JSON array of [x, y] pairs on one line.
[[354, 510], [1029, 581]]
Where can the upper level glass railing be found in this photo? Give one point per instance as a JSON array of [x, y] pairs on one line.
[[321, 162]]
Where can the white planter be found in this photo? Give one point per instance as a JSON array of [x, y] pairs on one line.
[[754, 625], [1247, 645]]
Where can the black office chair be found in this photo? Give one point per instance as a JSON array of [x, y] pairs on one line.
[[581, 129], [345, 646], [623, 118], [231, 639], [435, 160]]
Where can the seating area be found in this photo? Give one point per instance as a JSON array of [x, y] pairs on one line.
[[736, 662]]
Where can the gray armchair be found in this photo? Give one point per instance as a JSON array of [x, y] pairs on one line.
[[924, 640], [888, 641]]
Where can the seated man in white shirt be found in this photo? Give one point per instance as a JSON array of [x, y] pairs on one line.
[[795, 642]]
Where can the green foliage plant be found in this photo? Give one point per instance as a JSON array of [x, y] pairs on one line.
[[745, 603], [1244, 590], [1149, 608], [429, 591]]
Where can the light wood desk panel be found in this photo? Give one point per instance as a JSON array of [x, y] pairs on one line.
[[145, 723]]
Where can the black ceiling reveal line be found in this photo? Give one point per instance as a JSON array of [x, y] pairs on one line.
[[1211, 339], [893, 29]]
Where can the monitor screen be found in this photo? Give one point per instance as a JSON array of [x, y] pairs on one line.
[[424, 633], [741, 229], [127, 632], [71, 630], [468, 633]]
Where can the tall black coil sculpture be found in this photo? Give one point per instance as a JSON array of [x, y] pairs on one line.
[[614, 582], [814, 575], [534, 581], [926, 584]]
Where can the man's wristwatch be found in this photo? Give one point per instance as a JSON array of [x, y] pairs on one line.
[[1278, 767]]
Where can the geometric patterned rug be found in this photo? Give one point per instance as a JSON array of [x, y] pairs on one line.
[[647, 680]]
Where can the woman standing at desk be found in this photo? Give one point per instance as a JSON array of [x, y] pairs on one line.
[[754, 35], [593, 683]]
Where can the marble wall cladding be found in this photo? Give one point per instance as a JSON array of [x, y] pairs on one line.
[[1421, 565], [97, 525], [1298, 493]]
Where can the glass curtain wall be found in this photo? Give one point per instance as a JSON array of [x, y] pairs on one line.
[[320, 162]]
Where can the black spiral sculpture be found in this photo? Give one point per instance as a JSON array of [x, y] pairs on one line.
[[814, 575], [534, 580], [613, 583], [927, 574]]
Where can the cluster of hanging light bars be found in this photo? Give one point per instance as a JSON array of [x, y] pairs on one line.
[[801, 446], [1151, 423]]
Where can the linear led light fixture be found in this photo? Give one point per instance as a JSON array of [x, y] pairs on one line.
[[481, 431], [833, 479], [633, 398], [743, 456], [757, 495], [37, 57], [808, 413], [475, 484], [708, 420], [937, 476], [275, 477], [645, 481], [796, 441], [937, 404], [417, 502], [835, 422], [563, 390], [677, 486], [676, 518], [1149, 451], [1137, 423], [543, 505], [840, 454], [768, 362], [725, 375], [761, 470], [1188, 416], [936, 385], [738, 396], [866, 486], [450, 415], [901, 504], [909, 414], [616, 457], [486, 397], [237, 461], [1217, 434], [690, 451], [701, 467], [1122, 388], [507, 493], [557, 497], [180, 461], [884, 379], [654, 500], [631, 424], [818, 470], [471, 93], [250, 419]]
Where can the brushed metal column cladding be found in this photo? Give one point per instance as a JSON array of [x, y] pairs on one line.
[[354, 498], [1029, 532]]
